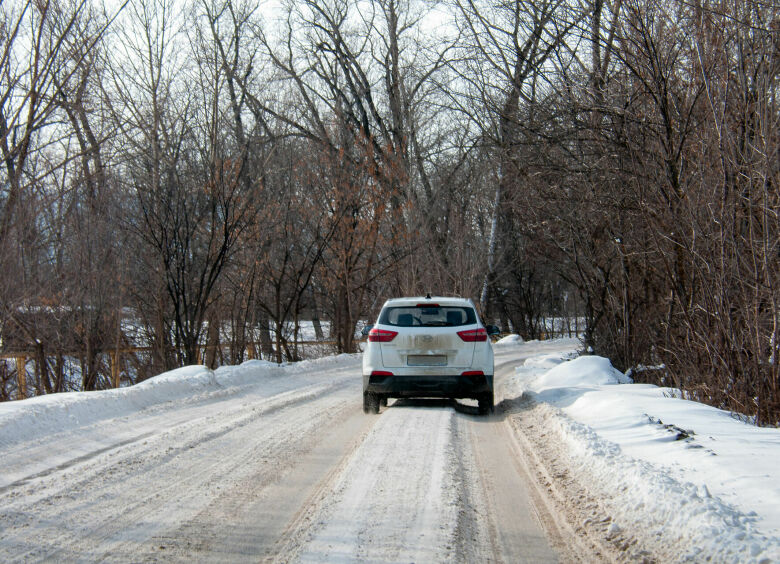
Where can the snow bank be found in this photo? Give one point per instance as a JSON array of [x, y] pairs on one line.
[[687, 479], [509, 340], [680, 520], [43, 415], [585, 371], [545, 361]]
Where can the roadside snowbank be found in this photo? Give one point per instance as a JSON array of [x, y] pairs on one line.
[[513, 339], [39, 416], [686, 479], [582, 371]]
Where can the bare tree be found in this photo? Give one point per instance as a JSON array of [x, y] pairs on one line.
[[507, 53], [48, 55], [192, 203]]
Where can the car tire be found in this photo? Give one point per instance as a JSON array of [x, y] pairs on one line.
[[485, 403], [370, 403], [366, 404]]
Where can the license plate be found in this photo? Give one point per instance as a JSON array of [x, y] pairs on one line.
[[426, 360]]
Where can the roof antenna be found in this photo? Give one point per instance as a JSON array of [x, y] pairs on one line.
[[428, 296]]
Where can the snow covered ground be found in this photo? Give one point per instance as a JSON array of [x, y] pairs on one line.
[[279, 463], [688, 481]]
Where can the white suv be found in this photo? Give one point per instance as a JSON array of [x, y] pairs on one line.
[[428, 347]]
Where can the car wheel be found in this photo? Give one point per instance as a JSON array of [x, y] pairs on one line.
[[370, 403], [485, 403], [366, 403]]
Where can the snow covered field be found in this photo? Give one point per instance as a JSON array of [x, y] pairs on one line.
[[278, 463]]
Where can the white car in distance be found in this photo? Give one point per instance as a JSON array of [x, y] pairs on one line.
[[428, 348]]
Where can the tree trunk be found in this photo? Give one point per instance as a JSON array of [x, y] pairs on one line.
[[212, 343]]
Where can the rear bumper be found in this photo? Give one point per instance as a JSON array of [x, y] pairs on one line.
[[428, 386]]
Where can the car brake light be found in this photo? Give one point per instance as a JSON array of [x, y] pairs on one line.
[[427, 305], [473, 335], [381, 335], [473, 373], [381, 373]]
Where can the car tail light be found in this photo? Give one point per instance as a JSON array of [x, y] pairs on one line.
[[473, 335], [473, 373], [381, 335], [381, 373]]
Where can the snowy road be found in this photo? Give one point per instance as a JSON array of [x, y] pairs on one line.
[[280, 468], [279, 464]]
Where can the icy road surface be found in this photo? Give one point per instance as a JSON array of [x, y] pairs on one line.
[[278, 467]]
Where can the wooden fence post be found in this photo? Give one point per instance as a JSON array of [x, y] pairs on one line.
[[21, 377]]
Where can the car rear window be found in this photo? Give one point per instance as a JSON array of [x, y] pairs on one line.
[[428, 316]]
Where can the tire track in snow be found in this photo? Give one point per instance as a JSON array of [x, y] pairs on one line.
[[119, 500], [397, 498]]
